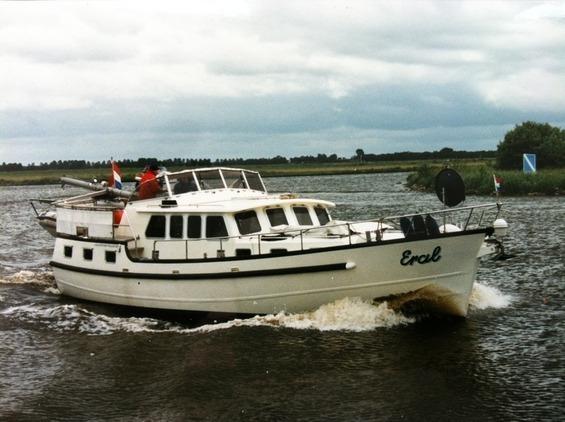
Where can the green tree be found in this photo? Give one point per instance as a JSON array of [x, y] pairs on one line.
[[542, 139], [360, 154]]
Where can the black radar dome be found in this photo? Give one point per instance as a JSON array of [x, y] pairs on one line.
[[450, 188]]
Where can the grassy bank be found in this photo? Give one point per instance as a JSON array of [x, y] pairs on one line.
[[39, 177], [478, 180]]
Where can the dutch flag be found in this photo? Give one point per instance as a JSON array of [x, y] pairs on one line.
[[497, 183], [115, 180]]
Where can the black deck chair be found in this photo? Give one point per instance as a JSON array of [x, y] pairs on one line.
[[431, 226], [419, 225], [406, 226]]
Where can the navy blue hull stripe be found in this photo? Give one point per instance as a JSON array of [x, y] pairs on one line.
[[198, 276]]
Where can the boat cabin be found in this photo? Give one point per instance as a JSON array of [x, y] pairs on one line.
[[207, 213]]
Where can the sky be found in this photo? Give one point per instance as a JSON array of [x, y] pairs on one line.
[[225, 79]]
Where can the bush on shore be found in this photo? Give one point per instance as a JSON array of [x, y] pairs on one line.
[[479, 180]]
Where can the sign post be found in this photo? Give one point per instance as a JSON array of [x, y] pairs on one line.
[[529, 163]]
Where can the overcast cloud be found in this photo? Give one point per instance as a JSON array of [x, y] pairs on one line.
[[246, 79]]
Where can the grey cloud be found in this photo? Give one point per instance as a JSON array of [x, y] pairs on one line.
[[316, 77]]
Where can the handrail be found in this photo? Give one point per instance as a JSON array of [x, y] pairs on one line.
[[444, 211], [350, 232]]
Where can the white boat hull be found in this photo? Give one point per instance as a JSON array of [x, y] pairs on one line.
[[294, 283]]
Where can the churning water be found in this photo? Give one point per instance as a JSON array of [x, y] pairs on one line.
[[64, 359]]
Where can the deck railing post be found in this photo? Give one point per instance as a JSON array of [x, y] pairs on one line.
[[481, 218], [468, 219]]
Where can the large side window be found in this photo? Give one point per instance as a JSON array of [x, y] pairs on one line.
[[210, 179], [215, 226], [303, 216], [176, 226], [194, 227], [322, 215], [254, 181], [156, 226], [234, 179], [276, 216], [247, 222]]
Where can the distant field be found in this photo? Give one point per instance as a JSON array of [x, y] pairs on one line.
[[40, 177]]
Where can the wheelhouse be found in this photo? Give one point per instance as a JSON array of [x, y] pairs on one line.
[[213, 178]]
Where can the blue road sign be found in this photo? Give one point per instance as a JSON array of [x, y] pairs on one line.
[[529, 163]]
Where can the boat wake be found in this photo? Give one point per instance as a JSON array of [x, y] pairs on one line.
[[484, 296], [40, 278], [29, 277], [348, 314]]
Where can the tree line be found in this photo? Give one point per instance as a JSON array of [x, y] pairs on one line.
[[139, 163]]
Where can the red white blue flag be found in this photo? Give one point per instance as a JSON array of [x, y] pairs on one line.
[[115, 180], [497, 183]]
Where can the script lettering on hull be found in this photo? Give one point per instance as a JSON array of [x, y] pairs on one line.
[[409, 259]]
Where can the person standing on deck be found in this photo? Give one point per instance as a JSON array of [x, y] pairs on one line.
[[149, 185]]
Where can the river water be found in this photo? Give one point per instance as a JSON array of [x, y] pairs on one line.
[[64, 359]]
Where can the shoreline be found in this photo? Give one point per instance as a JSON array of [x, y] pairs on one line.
[[477, 175], [55, 181], [51, 176]]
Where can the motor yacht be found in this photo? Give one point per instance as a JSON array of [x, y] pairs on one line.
[[215, 240]]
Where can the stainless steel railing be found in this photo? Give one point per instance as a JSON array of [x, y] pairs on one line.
[[348, 231]]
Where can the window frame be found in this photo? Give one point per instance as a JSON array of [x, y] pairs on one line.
[[182, 231], [294, 207], [219, 218], [273, 209], [154, 217], [325, 212], [110, 256], [239, 222], [188, 226], [88, 251]]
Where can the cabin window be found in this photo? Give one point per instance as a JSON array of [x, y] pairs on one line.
[[243, 252], [234, 179], [87, 254], [210, 179], [82, 231], [254, 181], [185, 183], [110, 256], [176, 226], [68, 250], [322, 215], [247, 222], [276, 216], [194, 227], [156, 226], [302, 216], [216, 226]]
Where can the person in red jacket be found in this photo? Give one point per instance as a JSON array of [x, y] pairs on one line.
[[149, 186]]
